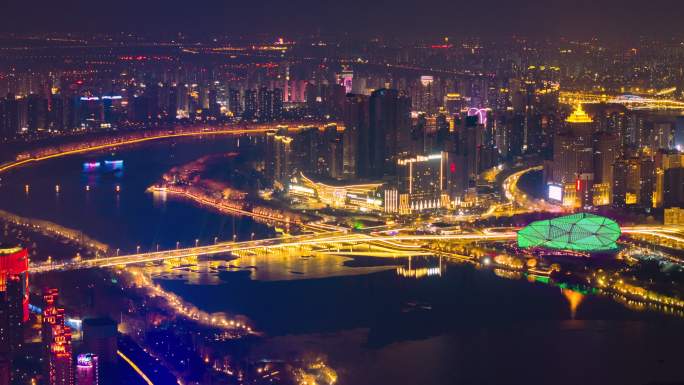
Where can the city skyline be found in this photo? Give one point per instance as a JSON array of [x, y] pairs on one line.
[[341, 193]]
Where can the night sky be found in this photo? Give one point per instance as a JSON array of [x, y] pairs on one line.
[[581, 18]]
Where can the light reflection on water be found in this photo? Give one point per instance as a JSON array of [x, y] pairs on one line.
[[267, 267]]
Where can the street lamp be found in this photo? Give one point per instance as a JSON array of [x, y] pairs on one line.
[[196, 242], [117, 252], [215, 240], [177, 244], [137, 249]]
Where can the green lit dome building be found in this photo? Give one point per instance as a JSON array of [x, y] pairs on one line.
[[578, 232]]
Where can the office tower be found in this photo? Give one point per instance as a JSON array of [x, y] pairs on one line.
[[424, 99], [12, 115], [56, 116], [283, 162], [36, 112], [454, 103], [234, 104], [270, 155], [573, 159], [647, 182], [99, 337], [355, 122], [250, 111], [305, 150], [336, 157], [606, 152], [214, 106], [265, 105], [61, 356], [335, 99], [172, 110], [468, 144], [620, 174], [634, 182], [57, 341], [277, 104], [421, 183], [661, 136], [87, 369], [14, 296], [665, 160], [673, 188], [388, 134]]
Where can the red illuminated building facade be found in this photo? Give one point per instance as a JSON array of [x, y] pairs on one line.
[[13, 305]]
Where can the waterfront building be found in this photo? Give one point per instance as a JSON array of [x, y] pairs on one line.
[[421, 184], [576, 232], [14, 296]]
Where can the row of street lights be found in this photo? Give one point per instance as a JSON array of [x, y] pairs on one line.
[[137, 248]]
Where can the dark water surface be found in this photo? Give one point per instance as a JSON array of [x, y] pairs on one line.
[[130, 217], [464, 327]]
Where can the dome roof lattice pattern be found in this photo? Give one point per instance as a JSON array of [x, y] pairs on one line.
[[577, 232]]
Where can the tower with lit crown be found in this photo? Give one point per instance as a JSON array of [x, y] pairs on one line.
[[573, 159]]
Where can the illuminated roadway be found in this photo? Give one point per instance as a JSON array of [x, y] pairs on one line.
[[331, 239], [521, 201], [632, 102], [164, 135]]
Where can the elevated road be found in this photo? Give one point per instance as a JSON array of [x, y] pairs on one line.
[[332, 239], [73, 149], [335, 239]]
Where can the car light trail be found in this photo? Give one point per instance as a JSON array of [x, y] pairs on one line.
[[135, 367]]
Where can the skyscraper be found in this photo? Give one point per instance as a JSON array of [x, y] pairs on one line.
[[57, 341], [250, 111], [277, 104], [234, 104], [421, 183], [13, 305], [355, 122], [573, 158], [265, 105], [61, 356], [14, 297]]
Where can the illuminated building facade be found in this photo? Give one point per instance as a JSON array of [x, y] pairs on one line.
[[61, 356], [57, 341], [577, 232], [87, 369], [669, 179], [353, 197], [14, 296], [421, 184], [573, 159], [279, 160]]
